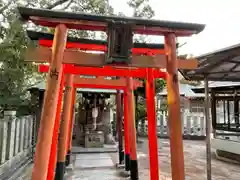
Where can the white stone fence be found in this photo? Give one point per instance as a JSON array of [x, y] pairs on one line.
[[15, 140], [193, 124]]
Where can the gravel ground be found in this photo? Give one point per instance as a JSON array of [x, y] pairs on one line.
[[195, 165], [195, 161]]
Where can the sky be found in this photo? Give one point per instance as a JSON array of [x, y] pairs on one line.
[[222, 19]]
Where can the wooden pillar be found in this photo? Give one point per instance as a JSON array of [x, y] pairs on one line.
[[70, 130], [50, 105], [236, 109], [63, 136], [119, 127], [214, 113], [132, 131], [174, 117], [126, 133], [53, 154], [208, 131], [152, 125]]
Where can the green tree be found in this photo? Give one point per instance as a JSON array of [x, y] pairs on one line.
[[141, 8], [16, 75]]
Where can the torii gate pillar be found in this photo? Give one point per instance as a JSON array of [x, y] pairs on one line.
[[64, 128], [126, 132], [70, 130], [175, 124], [152, 124], [53, 153], [45, 133], [132, 130]]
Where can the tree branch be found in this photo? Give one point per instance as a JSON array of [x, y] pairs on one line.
[[67, 6], [5, 7], [57, 3]]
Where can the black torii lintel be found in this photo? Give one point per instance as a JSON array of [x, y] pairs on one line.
[[93, 22]]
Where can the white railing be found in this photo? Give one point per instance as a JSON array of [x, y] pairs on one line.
[[193, 124]]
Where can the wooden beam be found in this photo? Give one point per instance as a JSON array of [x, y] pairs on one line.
[[105, 71], [43, 54], [94, 86], [103, 47], [104, 82]]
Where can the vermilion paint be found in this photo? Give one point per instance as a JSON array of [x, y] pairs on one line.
[[106, 71], [101, 48], [126, 133], [152, 124], [53, 153]]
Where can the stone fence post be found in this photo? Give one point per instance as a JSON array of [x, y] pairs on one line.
[[17, 136], [21, 142], [3, 139], [10, 118]]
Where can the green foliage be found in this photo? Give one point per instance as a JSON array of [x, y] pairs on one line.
[[140, 94], [14, 72], [158, 83], [16, 75], [141, 8]]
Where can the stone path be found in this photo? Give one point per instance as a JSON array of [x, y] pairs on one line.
[[100, 160], [101, 166], [92, 166], [105, 149]]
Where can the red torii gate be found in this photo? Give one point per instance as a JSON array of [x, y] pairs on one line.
[[78, 82], [107, 71], [58, 56], [111, 71], [100, 83]]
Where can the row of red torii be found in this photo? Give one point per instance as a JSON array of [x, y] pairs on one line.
[[68, 58]]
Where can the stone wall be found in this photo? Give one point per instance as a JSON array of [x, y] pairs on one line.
[[16, 147]]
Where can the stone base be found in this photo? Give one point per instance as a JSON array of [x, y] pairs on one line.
[[120, 166], [94, 139], [124, 174], [109, 139]]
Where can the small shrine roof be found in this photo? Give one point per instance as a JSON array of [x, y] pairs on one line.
[[184, 90], [220, 65]]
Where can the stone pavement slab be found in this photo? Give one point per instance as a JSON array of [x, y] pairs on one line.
[[104, 149], [98, 160], [95, 174]]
